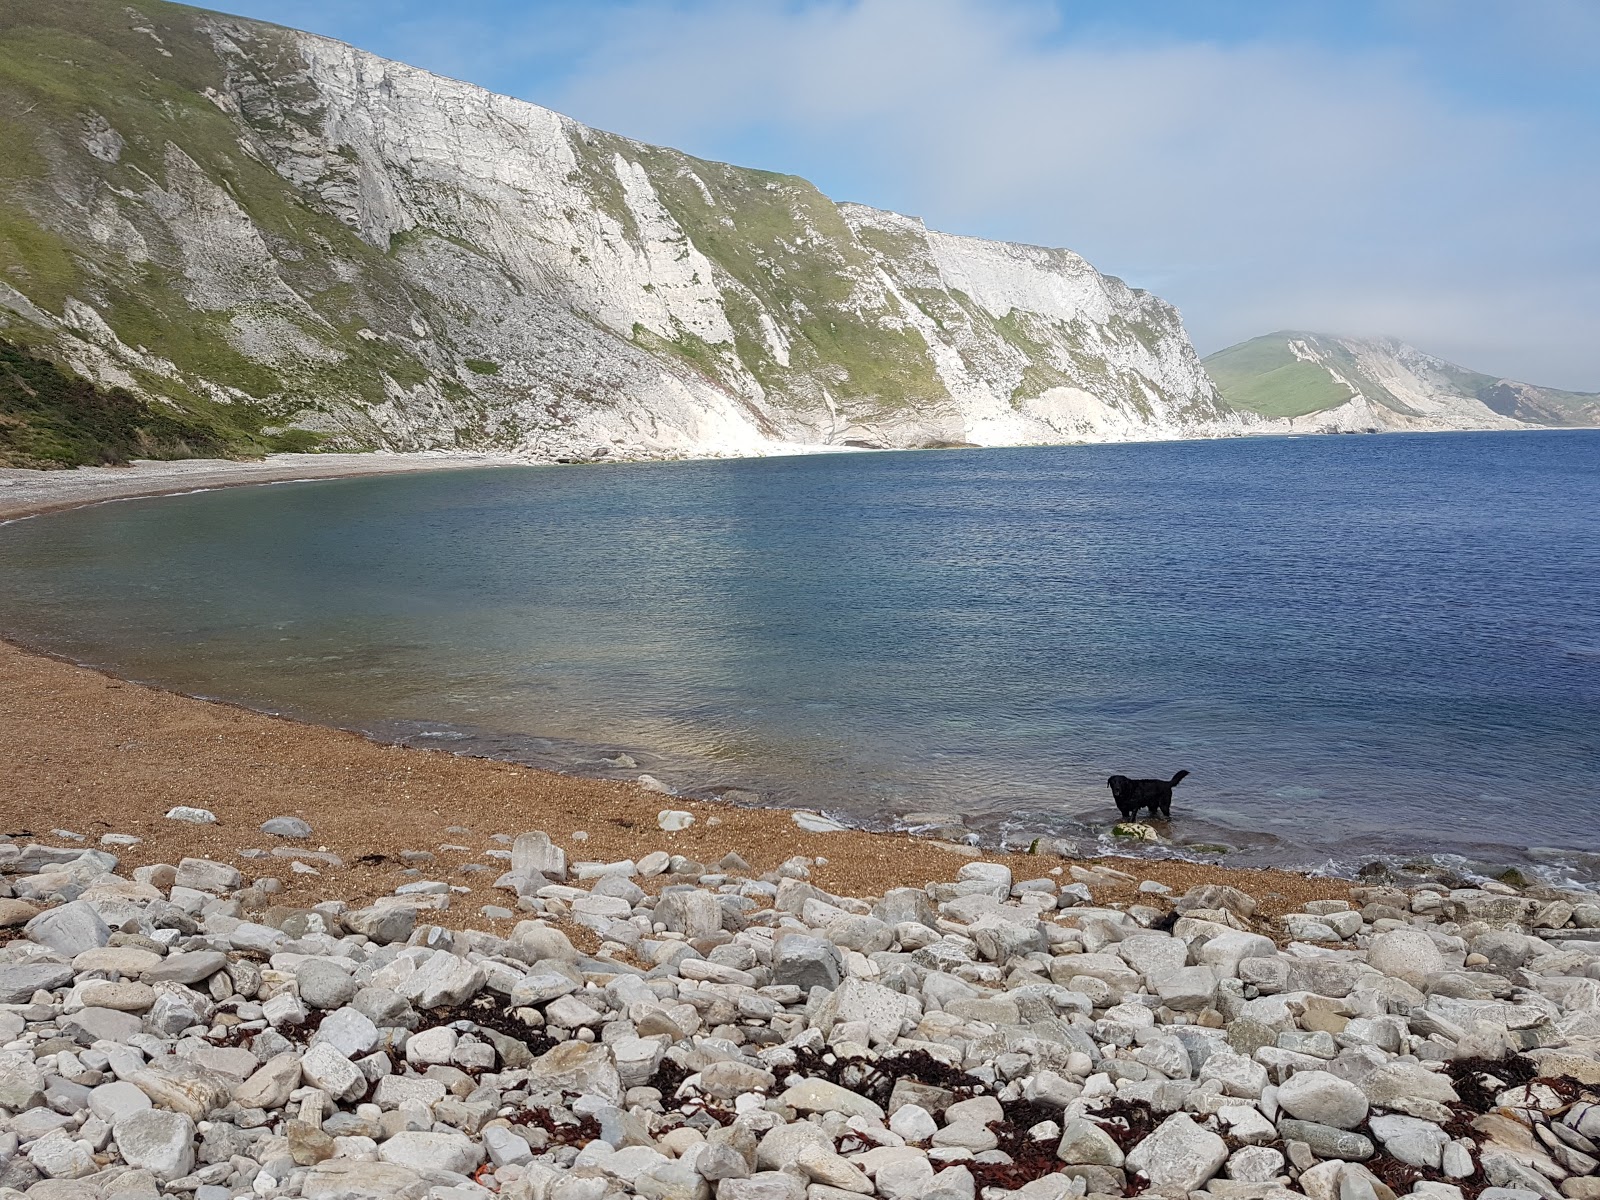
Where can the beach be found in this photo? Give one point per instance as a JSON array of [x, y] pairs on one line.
[[85, 752], [250, 956]]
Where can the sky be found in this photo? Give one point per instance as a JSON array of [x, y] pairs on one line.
[[1426, 169]]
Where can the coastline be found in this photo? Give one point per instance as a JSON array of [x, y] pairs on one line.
[[92, 754], [121, 753], [28, 493]]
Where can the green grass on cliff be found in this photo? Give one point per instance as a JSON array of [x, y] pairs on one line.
[[1263, 376], [51, 418]]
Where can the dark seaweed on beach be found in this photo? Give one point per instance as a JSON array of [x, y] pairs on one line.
[[1127, 1121], [489, 1013], [669, 1078], [579, 1132], [1031, 1158], [876, 1080], [1468, 1077]]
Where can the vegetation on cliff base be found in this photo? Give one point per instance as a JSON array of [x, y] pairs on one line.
[[52, 418]]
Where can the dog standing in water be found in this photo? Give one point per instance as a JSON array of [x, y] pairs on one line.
[[1133, 794]]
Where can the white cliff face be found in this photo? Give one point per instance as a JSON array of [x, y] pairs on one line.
[[401, 260]]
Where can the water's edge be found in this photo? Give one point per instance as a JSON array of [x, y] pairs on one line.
[[601, 762], [1084, 841]]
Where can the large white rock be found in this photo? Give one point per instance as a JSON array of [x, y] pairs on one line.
[[442, 979], [1408, 954], [1417, 1142], [352, 1179], [70, 929], [534, 853], [1178, 1154], [349, 1032], [424, 1152], [159, 1142], [113, 1101], [584, 1068], [1084, 1142], [883, 1009], [818, 1095], [270, 1086], [324, 1067], [1323, 1098]]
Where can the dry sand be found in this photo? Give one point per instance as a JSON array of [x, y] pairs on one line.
[[85, 752]]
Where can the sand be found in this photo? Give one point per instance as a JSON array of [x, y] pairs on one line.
[[91, 754], [24, 492]]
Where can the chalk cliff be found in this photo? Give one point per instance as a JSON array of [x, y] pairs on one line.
[[278, 232]]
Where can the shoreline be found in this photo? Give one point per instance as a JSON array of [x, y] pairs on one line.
[[95, 755], [31, 493], [92, 705]]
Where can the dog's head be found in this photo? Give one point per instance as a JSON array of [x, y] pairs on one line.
[[1117, 784]]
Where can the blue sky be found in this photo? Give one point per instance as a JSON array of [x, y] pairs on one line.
[[1423, 168]]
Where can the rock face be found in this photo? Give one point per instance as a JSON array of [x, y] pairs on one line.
[[393, 259], [728, 1038]]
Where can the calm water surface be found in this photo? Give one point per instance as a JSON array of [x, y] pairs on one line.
[[1357, 645]]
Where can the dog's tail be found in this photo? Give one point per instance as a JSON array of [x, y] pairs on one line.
[[1176, 779]]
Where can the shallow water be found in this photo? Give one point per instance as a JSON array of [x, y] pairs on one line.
[[1357, 645]]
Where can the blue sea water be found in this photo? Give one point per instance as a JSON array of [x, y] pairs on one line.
[[1356, 645]]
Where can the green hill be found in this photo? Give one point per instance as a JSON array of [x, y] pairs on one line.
[[1292, 373]]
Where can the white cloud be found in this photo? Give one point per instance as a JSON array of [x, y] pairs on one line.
[[1259, 186]]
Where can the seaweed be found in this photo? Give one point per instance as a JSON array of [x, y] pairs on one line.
[[669, 1078], [1128, 1122], [578, 1132], [1467, 1075], [486, 1012], [1031, 1158], [876, 1079]]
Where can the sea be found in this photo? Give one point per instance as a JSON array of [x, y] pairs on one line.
[[1363, 649]]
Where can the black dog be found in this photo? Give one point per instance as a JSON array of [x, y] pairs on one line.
[[1133, 794]]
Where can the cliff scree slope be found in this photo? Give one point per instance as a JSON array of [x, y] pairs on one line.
[[208, 212]]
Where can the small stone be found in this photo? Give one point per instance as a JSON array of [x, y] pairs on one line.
[[673, 819], [286, 827], [194, 816]]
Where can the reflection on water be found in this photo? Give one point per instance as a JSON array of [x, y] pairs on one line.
[[1355, 645]]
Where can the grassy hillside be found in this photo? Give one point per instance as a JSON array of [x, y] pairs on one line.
[[52, 418], [1263, 376]]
